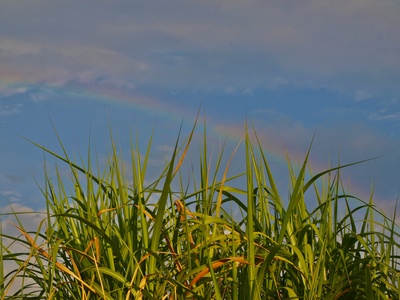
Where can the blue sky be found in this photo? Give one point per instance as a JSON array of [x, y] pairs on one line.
[[294, 67]]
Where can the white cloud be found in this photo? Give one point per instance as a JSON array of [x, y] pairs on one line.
[[385, 114], [362, 95], [29, 217], [10, 109], [31, 220], [6, 91], [11, 196]]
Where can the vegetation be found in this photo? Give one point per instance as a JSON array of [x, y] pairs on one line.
[[115, 238]]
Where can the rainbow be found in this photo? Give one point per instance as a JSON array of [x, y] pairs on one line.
[[276, 151], [234, 132]]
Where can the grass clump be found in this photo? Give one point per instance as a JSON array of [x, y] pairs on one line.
[[118, 239]]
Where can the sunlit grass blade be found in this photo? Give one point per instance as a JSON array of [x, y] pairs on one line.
[[110, 233]]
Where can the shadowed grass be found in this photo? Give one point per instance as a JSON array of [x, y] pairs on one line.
[[115, 239]]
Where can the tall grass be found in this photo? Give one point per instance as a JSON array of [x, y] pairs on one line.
[[117, 239]]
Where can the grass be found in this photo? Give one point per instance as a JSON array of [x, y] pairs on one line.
[[113, 238]]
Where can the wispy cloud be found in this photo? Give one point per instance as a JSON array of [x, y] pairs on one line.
[[361, 95], [10, 109], [7, 91], [11, 196], [385, 114]]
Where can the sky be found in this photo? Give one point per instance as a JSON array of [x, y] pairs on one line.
[[296, 69]]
